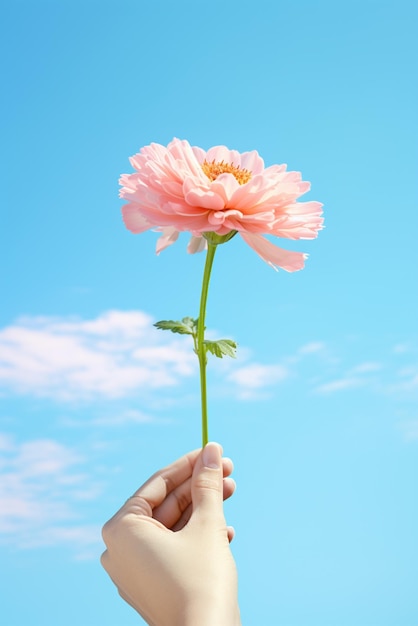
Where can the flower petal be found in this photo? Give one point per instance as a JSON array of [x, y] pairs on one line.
[[185, 157], [274, 256], [202, 197], [225, 186], [170, 190], [134, 220], [196, 244], [168, 237], [252, 162], [222, 153]]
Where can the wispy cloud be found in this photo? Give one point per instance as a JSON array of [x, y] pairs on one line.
[[129, 416], [115, 355], [367, 367], [42, 484], [356, 376], [253, 378], [407, 380], [120, 354], [111, 356], [313, 347], [339, 384], [409, 429], [401, 348]]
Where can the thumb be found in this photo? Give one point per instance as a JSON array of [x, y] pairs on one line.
[[207, 484]]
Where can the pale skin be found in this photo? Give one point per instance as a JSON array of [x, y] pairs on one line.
[[168, 546]]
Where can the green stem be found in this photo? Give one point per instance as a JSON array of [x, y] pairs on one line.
[[201, 350]]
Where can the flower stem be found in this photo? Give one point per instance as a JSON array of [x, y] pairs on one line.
[[201, 349]]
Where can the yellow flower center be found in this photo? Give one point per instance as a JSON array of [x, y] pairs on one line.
[[216, 168]]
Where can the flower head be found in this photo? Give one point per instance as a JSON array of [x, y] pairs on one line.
[[183, 188]]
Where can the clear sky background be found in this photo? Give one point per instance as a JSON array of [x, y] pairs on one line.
[[319, 412]]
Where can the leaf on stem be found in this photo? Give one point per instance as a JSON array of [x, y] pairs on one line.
[[221, 347], [187, 326]]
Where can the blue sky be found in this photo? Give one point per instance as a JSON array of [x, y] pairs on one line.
[[319, 411]]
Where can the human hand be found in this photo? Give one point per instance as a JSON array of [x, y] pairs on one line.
[[168, 546]]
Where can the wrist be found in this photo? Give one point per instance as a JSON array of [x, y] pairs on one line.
[[214, 613]]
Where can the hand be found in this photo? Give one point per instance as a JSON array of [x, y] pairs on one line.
[[168, 546]]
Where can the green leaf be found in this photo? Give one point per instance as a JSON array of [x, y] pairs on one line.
[[221, 347], [184, 327], [190, 323]]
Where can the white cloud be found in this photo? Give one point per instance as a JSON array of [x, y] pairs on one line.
[[339, 384], [129, 416], [370, 374], [255, 377], [410, 430], [358, 376], [120, 354], [407, 380], [314, 350], [113, 355], [401, 348], [6, 443], [367, 367], [83, 540], [312, 347], [41, 486]]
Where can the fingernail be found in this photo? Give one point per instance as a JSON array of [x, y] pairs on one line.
[[211, 455]]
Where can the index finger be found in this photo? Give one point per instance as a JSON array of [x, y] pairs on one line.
[[163, 482]]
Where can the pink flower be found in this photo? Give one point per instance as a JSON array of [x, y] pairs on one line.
[[183, 188]]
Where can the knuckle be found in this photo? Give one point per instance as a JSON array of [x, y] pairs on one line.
[[208, 483], [183, 501], [138, 505], [104, 559], [111, 529], [106, 532]]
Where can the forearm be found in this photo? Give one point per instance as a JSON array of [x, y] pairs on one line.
[[212, 615], [213, 606]]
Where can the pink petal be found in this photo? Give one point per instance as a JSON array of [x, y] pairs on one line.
[[197, 244], [275, 169], [274, 256], [172, 188], [225, 186], [168, 189], [134, 220], [306, 208], [246, 197], [222, 153], [217, 218], [198, 196], [184, 155], [199, 154], [168, 237], [252, 162]]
